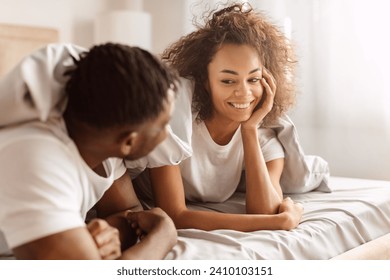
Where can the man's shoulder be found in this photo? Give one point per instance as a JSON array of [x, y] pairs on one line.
[[38, 146], [23, 134]]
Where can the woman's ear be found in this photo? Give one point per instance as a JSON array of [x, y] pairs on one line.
[[128, 142]]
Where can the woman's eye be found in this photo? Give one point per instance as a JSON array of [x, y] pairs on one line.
[[254, 80], [227, 82]]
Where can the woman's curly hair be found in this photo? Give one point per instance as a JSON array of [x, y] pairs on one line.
[[237, 24]]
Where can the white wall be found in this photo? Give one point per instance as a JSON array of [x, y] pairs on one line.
[[41, 13], [75, 18]]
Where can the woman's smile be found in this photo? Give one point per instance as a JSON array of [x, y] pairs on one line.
[[241, 106]]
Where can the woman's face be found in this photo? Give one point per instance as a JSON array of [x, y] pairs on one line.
[[234, 76]]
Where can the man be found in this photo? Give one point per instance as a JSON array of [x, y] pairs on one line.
[[65, 127]]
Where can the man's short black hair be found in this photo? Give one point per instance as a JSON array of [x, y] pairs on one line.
[[115, 84]]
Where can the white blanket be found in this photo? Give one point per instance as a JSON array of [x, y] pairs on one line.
[[355, 212], [34, 89]]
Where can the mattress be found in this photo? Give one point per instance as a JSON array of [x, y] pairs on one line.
[[355, 212]]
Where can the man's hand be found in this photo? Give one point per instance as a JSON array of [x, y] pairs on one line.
[[106, 238], [152, 222]]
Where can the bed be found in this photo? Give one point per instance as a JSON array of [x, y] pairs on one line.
[[351, 222]]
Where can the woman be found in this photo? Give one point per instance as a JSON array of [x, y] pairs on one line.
[[241, 68]]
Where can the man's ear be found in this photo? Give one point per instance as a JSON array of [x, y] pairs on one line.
[[128, 142]]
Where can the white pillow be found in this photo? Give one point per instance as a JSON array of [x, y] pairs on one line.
[[302, 173], [34, 88]]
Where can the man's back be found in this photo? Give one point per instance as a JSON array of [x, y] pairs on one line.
[[46, 186]]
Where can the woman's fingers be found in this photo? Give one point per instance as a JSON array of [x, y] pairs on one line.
[[270, 80], [269, 99], [269, 85]]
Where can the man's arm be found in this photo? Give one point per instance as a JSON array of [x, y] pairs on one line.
[[76, 244], [115, 203], [114, 207]]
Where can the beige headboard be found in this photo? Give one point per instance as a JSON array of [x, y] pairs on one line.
[[16, 41]]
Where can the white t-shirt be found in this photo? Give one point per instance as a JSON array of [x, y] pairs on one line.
[[213, 171], [46, 187]]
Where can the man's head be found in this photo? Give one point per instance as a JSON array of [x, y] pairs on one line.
[[125, 91]]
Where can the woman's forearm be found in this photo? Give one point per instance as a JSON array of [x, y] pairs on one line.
[[169, 195], [206, 220], [262, 195]]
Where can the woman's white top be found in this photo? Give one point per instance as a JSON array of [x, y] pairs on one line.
[[213, 171]]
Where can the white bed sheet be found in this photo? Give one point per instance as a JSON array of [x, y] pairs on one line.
[[357, 211]]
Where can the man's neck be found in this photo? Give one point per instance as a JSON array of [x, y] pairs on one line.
[[86, 142]]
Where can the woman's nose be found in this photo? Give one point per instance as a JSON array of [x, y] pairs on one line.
[[243, 90]]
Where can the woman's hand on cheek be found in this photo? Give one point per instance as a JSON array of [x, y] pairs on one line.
[[269, 85]]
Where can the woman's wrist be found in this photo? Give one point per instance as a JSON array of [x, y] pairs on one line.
[[249, 131]]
